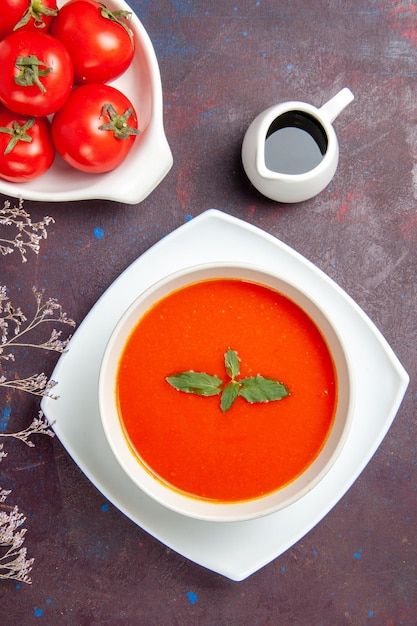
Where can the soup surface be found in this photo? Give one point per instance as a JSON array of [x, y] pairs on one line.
[[185, 439]]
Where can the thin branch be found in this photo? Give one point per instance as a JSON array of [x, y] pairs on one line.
[[13, 562], [13, 320], [39, 426], [37, 385], [29, 233], [15, 329]]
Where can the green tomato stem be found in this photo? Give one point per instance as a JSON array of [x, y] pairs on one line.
[[17, 133], [30, 72], [36, 10], [114, 16], [118, 123]]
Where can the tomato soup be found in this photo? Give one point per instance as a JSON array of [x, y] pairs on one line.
[[186, 440]]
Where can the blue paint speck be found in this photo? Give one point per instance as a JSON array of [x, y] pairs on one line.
[[18, 586], [245, 33], [6, 411], [188, 217], [370, 614], [98, 233], [38, 612], [104, 507], [5, 414], [48, 601], [192, 597], [358, 555], [289, 67]]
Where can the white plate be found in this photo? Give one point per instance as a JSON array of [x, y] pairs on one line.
[[150, 158], [235, 550]]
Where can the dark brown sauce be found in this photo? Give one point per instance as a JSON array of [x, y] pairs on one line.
[[296, 143]]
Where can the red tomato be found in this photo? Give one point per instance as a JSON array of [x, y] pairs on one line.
[[36, 73], [26, 15], [102, 49], [95, 129], [26, 148]]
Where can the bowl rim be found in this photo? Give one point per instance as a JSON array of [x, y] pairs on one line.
[[171, 498]]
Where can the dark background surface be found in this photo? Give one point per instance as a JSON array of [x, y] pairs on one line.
[[221, 64]]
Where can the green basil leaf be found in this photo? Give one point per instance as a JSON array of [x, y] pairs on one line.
[[253, 389], [199, 383], [232, 363], [260, 389], [229, 395]]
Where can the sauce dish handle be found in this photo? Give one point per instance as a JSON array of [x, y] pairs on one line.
[[335, 105]]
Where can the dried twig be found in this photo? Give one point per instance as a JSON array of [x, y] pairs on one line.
[[15, 326], [16, 332], [13, 562], [29, 234], [39, 426]]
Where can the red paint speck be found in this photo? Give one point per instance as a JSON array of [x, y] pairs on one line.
[[351, 195]]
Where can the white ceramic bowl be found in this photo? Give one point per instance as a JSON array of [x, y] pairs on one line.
[[150, 158], [199, 508]]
